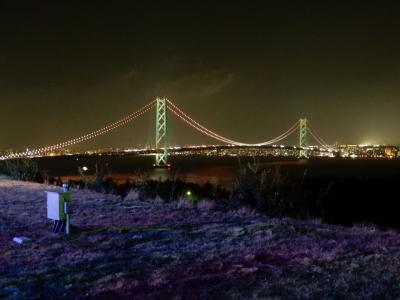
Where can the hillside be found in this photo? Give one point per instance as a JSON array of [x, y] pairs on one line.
[[132, 249]]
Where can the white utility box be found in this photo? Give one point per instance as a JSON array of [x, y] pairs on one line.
[[55, 209], [55, 205]]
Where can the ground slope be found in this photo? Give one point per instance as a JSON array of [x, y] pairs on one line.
[[151, 250]]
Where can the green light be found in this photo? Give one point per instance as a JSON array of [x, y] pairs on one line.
[[188, 193]]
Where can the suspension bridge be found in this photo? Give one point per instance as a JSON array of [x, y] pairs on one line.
[[163, 105]]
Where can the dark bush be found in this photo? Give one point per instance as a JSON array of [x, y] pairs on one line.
[[97, 182], [21, 169], [169, 190], [267, 190], [102, 181], [109, 185]]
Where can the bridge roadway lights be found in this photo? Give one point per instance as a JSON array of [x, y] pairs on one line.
[[161, 133], [303, 153]]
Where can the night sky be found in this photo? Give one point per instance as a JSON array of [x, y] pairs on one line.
[[246, 69]]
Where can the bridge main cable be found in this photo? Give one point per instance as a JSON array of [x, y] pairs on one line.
[[187, 119], [85, 137], [319, 139]]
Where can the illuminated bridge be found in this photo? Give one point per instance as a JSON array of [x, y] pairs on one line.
[[301, 127]]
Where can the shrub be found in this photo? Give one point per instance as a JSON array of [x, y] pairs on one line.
[[247, 186], [109, 185], [267, 190], [25, 169], [102, 182], [97, 182], [84, 179]]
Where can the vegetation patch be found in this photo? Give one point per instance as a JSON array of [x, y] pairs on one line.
[[124, 247]]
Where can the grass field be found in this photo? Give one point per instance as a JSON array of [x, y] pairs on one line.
[[125, 248]]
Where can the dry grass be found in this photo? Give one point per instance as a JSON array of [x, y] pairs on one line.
[[125, 248]]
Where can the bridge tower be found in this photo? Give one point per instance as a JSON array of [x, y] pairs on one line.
[[161, 133], [302, 138]]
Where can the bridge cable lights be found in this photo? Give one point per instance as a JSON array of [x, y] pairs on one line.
[[187, 119], [85, 137], [319, 139], [161, 129]]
